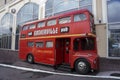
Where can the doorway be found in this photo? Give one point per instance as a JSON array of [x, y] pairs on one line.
[[62, 50]]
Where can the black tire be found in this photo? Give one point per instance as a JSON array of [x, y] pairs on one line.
[[30, 59], [82, 66]]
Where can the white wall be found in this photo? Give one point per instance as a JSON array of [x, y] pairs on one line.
[[17, 5]]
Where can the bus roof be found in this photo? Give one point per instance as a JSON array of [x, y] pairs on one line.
[[59, 15]]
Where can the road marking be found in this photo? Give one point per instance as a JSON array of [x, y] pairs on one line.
[[56, 73]]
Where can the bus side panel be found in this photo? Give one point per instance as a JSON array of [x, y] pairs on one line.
[[39, 55], [49, 56], [80, 27], [49, 52]]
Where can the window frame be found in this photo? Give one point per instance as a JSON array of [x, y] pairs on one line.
[[108, 30]]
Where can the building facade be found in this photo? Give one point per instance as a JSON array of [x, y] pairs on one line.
[[14, 13]]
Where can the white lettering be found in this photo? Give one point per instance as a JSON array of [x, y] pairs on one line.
[[64, 29], [46, 31]]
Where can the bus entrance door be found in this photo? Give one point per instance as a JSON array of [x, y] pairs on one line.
[[62, 50], [67, 50]]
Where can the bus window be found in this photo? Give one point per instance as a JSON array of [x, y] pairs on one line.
[[84, 43], [49, 44], [64, 20], [39, 44], [87, 44], [32, 26], [41, 24], [30, 44], [51, 22], [25, 28], [79, 17], [76, 44]]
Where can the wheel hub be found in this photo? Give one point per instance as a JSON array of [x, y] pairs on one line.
[[81, 66], [29, 58]]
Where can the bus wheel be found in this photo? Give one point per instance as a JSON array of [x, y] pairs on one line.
[[82, 66], [30, 59]]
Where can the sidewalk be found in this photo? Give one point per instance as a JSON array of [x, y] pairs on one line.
[[8, 56], [107, 66]]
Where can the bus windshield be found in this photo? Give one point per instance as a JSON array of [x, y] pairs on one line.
[[84, 44]]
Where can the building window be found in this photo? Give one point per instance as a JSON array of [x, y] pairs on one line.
[[53, 7], [49, 8], [6, 31], [28, 12], [113, 9], [64, 5], [85, 4]]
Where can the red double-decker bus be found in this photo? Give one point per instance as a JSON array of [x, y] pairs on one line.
[[67, 38]]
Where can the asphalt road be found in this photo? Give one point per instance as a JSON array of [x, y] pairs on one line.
[[21, 73], [7, 73]]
